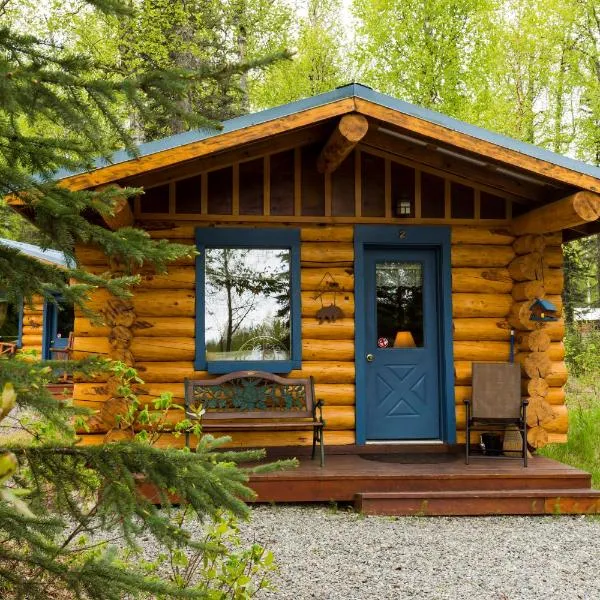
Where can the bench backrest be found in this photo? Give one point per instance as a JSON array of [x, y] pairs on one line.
[[250, 395]]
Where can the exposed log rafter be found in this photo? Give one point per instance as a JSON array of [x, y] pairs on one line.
[[121, 216], [572, 211], [349, 131]]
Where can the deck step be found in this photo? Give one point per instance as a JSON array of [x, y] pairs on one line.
[[483, 502]]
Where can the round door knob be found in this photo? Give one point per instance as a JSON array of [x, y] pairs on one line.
[[370, 358]]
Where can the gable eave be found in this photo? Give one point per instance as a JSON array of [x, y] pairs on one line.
[[318, 109]]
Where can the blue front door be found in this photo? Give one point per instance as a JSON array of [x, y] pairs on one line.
[[402, 344]]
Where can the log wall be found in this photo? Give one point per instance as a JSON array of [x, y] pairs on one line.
[[489, 286], [33, 321]]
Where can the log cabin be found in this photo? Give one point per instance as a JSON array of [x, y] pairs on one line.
[[385, 248]]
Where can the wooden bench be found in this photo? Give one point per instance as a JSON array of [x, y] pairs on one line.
[[256, 401]]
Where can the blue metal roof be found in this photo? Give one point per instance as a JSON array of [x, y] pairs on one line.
[[353, 90], [54, 257]]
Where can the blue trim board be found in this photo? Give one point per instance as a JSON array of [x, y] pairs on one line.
[[398, 237], [353, 90], [238, 237]]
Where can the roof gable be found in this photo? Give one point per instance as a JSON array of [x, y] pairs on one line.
[[346, 99]]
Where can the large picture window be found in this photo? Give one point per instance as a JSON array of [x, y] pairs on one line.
[[248, 300]]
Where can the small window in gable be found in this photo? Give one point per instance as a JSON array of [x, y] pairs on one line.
[[248, 300]]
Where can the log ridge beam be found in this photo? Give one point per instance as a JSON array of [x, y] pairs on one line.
[[349, 131], [572, 211]]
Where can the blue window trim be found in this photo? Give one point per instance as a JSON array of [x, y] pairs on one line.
[[397, 237], [231, 237]]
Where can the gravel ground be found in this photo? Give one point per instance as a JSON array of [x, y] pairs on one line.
[[330, 553]]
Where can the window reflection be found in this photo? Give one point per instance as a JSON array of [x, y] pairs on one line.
[[247, 304], [399, 304]]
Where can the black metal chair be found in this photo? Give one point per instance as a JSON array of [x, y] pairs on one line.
[[496, 403]]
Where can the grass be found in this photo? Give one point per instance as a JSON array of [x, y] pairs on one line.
[[582, 449]]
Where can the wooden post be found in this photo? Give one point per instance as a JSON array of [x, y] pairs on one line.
[[576, 209], [349, 131]]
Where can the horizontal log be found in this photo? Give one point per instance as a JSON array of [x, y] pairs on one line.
[[33, 319], [92, 395], [528, 291], [481, 281], [143, 326], [481, 305], [311, 305], [336, 394], [326, 371], [555, 329], [519, 316], [462, 393], [554, 280], [534, 341], [481, 351], [179, 278], [537, 437], [556, 352], [576, 209], [84, 327], [322, 278], [557, 375], [92, 256], [172, 232], [318, 350], [326, 252], [164, 327], [327, 233], [336, 330], [29, 330], [469, 330], [477, 235], [534, 364], [463, 372], [337, 418], [461, 436], [461, 417], [529, 243], [556, 395], [241, 439], [142, 348], [560, 422], [153, 303], [537, 387], [527, 267], [554, 238], [32, 340], [539, 411], [481, 256]]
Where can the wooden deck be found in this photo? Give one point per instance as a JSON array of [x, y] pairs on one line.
[[435, 485]]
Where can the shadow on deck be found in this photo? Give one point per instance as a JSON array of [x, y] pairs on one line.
[[434, 484]]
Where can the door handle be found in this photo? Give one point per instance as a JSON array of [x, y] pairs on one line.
[[370, 357]]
